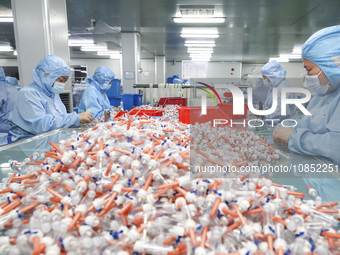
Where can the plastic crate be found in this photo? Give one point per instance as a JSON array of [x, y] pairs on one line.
[[137, 99], [192, 115], [152, 113], [227, 108], [115, 101], [128, 101], [114, 91], [172, 100], [228, 94]]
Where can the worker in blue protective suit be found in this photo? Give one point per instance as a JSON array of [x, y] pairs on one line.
[[275, 76], [260, 92], [7, 97], [13, 81], [38, 107], [176, 80], [94, 97], [319, 134]]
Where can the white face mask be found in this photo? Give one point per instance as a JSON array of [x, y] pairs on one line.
[[312, 83], [58, 87], [108, 87]]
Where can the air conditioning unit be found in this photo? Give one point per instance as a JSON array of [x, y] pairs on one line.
[[197, 10]]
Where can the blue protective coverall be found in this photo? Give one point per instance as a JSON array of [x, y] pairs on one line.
[[319, 134], [94, 97], [37, 110], [13, 81], [260, 92], [276, 74], [7, 97]]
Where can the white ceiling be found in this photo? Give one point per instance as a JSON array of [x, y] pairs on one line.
[[254, 30]]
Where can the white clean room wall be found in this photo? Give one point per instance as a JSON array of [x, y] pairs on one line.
[[217, 72], [148, 75]]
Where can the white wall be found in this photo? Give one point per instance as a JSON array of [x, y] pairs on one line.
[[149, 72], [217, 72]]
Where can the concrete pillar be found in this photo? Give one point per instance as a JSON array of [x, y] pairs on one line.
[[40, 29], [160, 68], [130, 60]]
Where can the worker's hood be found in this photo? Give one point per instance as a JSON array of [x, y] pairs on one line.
[[49, 69], [323, 49], [275, 72], [12, 80], [101, 78]]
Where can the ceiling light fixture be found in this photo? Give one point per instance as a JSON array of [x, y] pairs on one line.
[[200, 52], [6, 48], [81, 43], [94, 48], [6, 19], [200, 49], [210, 31], [109, 52], [290, 56], [199, 42], [200, 55], [199, 33], [197, 10], [199, 36], [199, 19], [199, 45]]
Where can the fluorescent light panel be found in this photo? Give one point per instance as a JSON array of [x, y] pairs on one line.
[[6, 19], [200, 52], [210, 31], [109, 52], [85, 43], [200, 55], [199, 45], [199, 36], [290, 56], [6, 48], [94, 48], [199, 19], [200, 41], [200, 49]]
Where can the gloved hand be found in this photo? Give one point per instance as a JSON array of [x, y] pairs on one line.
[[85, 117], [281, 134]]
